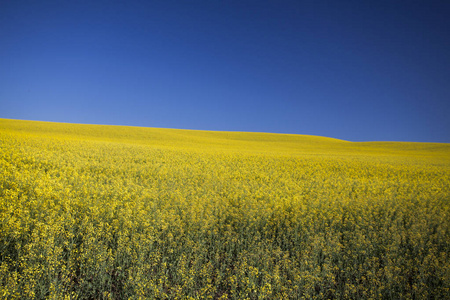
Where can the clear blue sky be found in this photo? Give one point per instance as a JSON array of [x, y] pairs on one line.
[[354, 70]]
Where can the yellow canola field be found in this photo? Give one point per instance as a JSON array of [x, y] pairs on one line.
[[115, 212]]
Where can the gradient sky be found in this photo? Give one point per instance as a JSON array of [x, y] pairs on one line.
[[353, 70]]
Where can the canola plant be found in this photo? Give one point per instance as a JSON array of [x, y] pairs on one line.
[[114, 212]]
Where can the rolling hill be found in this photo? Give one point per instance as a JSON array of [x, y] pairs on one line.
[[117, 212]]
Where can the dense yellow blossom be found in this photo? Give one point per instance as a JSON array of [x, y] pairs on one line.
[[114, 212]]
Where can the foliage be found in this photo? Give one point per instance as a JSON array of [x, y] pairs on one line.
[[111, 212]]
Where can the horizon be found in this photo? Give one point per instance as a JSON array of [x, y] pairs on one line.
[[226, 131], [348, 70]]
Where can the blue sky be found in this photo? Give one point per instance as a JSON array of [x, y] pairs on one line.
[[354, 70]]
